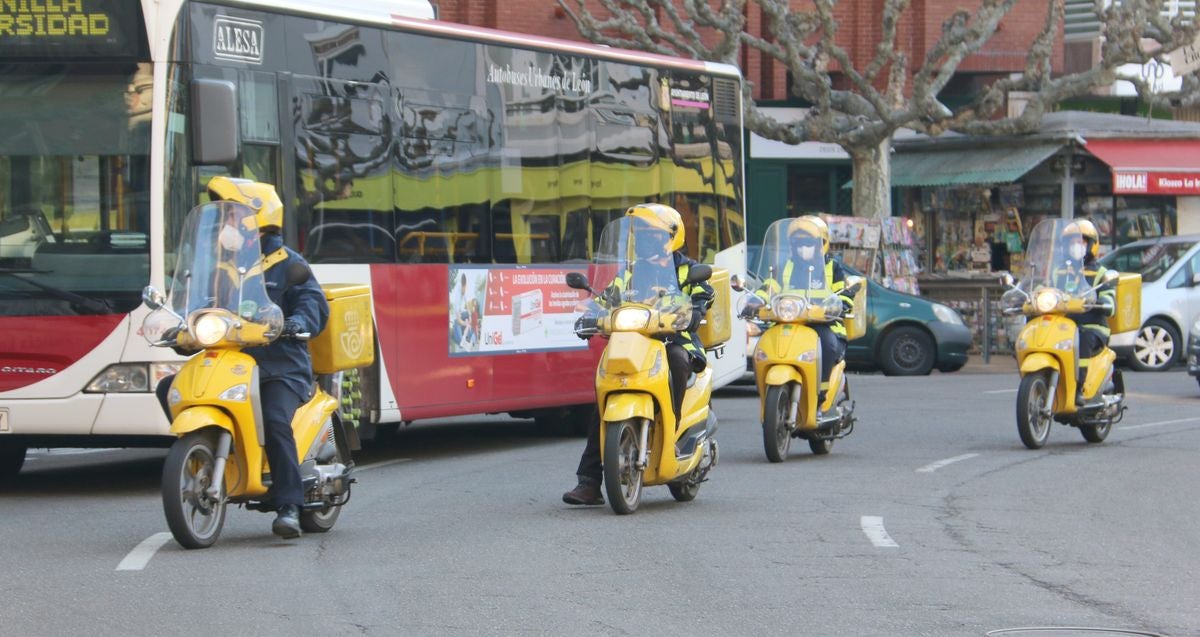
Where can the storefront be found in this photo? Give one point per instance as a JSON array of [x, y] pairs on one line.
[[974, 200]]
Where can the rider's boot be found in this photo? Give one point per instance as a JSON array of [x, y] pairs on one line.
[[587, 493]]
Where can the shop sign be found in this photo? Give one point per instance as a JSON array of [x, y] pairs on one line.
[[1127, 182]]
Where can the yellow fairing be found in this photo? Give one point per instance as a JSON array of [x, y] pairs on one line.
[[789, 353], [1050, 342], [310, 418], [835, 381], [1097, 370], [200, 384]]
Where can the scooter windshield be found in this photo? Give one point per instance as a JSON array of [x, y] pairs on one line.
[[792, 260], [1054, 259], [220, 267], [635, 267]]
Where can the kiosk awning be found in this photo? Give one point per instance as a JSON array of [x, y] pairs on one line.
[[968, 165], [1151, 167]]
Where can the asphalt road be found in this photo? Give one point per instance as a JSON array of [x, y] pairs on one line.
[[930, 519]]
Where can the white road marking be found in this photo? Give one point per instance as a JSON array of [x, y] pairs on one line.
[[873, 526], [934, 466], [1159, 424], [1001, 391], [141, 554], [68, 452], [385, 463]]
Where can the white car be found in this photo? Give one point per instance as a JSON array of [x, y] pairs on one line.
[[1170, 269]]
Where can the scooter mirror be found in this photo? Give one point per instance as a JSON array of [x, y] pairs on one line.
[[577, 280], [735, 283], [1007, 279], [1110, 278], [854, 284], [699, 272], [152, 297]]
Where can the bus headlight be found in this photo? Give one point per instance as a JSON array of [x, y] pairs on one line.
[[630, 319], [789, 308], [122, 378], [210, 329], [1046, 300]]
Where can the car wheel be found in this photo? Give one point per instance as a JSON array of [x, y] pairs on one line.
[[906, 351], [1156, 347]]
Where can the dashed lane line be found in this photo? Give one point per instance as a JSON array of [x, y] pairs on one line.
[[872, 526], [377, 465], [141, 554], [1001, 391], [1158, 424], [934, 466]]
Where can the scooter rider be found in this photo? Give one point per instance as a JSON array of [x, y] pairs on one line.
[[808, 238], [663, 226], [1082, 245], [285, 368]]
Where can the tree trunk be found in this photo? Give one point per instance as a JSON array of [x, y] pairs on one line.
[[873, 181]]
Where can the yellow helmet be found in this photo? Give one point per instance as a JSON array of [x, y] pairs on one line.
[[812, 226], [664, 218], [268, 209], [1087, 230]]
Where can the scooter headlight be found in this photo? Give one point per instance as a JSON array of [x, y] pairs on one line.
[[1046, 300], [210, 329], [789, 308], [237, 393], [630, 319]]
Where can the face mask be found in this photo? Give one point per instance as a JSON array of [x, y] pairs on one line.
[[231, 239], [1077, 250], [807, 252]]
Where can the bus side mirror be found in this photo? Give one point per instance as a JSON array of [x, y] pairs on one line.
[[699, 272], [214, 122]]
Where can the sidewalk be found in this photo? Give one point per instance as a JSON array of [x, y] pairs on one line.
[[998, 364]]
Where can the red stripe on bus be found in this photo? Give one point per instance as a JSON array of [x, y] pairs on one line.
[[412, 310], [35, 348]]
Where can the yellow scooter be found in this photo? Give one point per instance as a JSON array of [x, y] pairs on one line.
[[787, 359], [1048, 345], [642, 443], [219, 305]]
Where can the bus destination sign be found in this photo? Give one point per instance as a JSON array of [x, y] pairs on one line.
[[68, 28]]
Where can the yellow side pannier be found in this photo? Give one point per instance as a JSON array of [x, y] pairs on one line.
[[348, 340], [718, 326], [856, 323], [1128, 315]]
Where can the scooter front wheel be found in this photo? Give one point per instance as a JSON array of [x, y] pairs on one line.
[[622, 477], [777, 438], [1032, 424], [195, 519]]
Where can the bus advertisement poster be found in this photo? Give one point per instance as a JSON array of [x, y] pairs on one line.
[[512, 309]]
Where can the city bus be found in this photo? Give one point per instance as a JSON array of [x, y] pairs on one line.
[[460, 172]]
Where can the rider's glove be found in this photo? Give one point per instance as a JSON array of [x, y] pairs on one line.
[[291, 327], [747, 313]]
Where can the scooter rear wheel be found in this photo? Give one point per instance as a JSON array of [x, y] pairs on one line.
[[1097, 433], [322, 520], [622, 478], [1032, 425], [777, 438], [193, 517]]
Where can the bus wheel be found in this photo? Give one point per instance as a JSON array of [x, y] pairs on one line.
[[12, 458]]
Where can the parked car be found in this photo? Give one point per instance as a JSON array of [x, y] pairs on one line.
[[1193, 359], [906, 335], [1170, 269]]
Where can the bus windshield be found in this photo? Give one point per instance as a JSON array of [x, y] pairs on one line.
[[74, 187]]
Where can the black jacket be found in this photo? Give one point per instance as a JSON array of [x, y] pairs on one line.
[[287, 359]]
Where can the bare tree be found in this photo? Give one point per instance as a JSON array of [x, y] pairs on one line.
[[871, 103]]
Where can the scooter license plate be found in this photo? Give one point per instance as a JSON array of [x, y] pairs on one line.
[[4, 421]]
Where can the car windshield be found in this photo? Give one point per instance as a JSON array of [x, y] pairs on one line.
[[1152, 260]]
